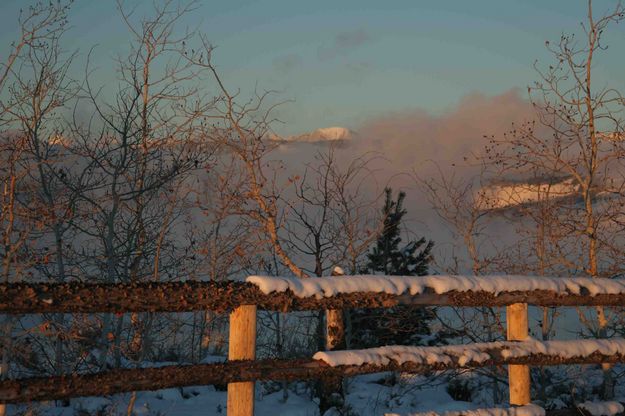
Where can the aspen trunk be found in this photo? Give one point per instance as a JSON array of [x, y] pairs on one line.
[[518, 375], [242, 346]]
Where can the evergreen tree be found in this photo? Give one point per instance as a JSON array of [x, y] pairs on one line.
[[387, 257], [401, 325]]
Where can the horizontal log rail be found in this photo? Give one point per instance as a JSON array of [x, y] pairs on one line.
[[140, 379], [76, 297], [289, 294]]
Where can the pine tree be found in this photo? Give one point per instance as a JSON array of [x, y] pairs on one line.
[[387, 257], [401, 325]]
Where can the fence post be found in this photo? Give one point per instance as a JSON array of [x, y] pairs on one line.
[[242, 346], [335, 324], [330, 389], [518, 375]]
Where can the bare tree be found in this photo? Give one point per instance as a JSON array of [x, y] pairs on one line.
[[331, 215], [136, 157], [39, 93], [38, 24], [225, 246], [461, 204], [577, 134], [32, 88], [16, 229], [241, 127]]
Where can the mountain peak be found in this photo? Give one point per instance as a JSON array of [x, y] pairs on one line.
[[333, 133], [326, 134]]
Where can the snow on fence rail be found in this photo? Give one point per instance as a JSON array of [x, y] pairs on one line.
[[289, 294], [475, 354], [439, 284]]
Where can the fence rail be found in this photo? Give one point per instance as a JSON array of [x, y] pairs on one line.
[[242, 299], [22, 298], [138, 379]]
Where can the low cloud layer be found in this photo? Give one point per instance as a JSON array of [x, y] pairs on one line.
[[411, 139], [415, 141]]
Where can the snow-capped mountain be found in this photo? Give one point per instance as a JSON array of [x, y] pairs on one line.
[[327, 134]]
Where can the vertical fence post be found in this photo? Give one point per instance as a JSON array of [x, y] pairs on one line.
[[335, 330], [335, 324], [518, 375], [242, 346], [330, 389]]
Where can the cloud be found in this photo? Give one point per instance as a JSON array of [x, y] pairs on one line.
[[410, 139], [287, 63], [343, 43], [414, 140]]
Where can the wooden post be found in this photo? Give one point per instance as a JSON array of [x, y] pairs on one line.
[[518, 375], [335, 330], [331, 388], [242, 346], [335, 325]]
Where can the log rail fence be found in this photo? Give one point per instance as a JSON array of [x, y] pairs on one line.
[[243, 300]]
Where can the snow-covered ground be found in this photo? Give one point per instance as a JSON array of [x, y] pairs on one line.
[[366, 397], [529, 410]]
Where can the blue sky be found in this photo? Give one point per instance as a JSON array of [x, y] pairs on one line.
[[344, 62]]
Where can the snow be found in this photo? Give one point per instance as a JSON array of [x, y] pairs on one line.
[[324, 134], [338, 271], [440, 284], [602, 408], [527, 410], [511, 195], [365, 396], [333, 133], [471, 353]]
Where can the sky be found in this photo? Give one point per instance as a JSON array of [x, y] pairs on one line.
[[343, 63]]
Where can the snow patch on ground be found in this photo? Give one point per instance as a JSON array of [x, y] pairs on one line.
[[528, 410], [471, 353], [365, 397], [602, 408], [440, 284]]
